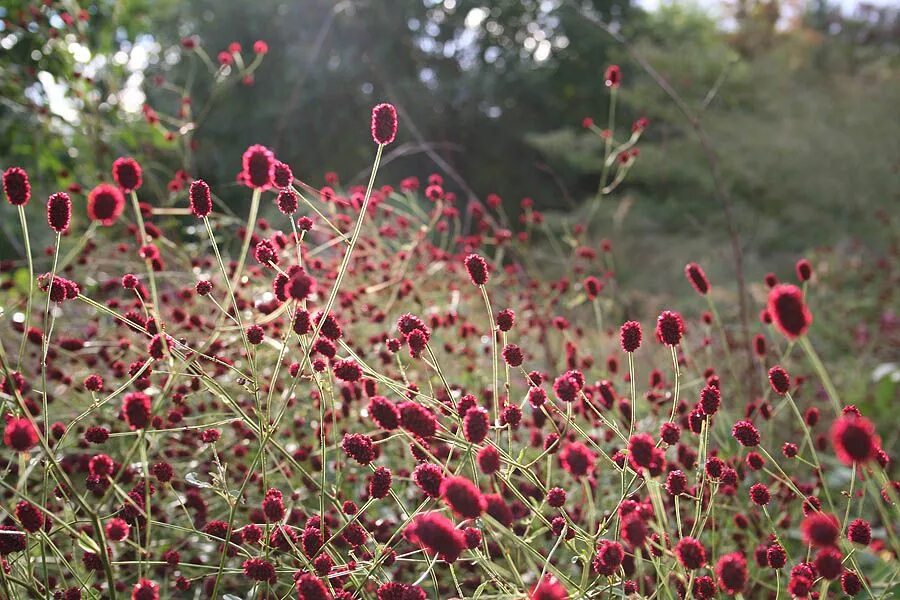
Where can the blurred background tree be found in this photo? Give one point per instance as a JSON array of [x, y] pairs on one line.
[[799, 100]]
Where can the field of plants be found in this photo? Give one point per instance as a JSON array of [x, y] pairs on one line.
[[384, 388]]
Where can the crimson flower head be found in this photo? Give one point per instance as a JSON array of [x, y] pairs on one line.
[[435, 532], [105, 204], [16, 186], [145, 590], [780, 380], [259, 166], [577, 459], [127, 173], [384, 123], [477, 268], [136, 407], [697, 278], [630, 336], [359, 447], [59, 212], [549, 588], [282, 176], [200, 198], [463, 497], [745, 433], [613, 76], [20, 434], [691, 553], [804, 269], [854, 439], [820, 529], [789, 312], [669, 328], [731, 571]]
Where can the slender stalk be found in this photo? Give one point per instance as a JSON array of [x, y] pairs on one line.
[[493, 333], [27, 322]]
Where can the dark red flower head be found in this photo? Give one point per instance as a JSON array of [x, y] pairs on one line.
[[16, 186], [691, 553], [854, 439], [669, 328], [105, 204], [384, 123], [20, 434], [731, 571], [282, 176], [145, 590], [200, 198], [789, 312], [259, 165], [477, 268], [613, 76], [359, 447], [59, 212], [549, 588], [746, 433], [804, 270], [820, 529], [630, 336], [779, 380], [136, 408], [697, 278], [127, 173], [463, 497], [436, 533], [577, 459]]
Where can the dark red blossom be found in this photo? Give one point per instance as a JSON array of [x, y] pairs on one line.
[[436, 533], [577, 459], [476, 424], [31, 518], [105, 204], [359, 447], [20, 434], [417, 419], [854, 439], [820, 529], [259, 569], [145, 590], [136, 408], [613, 76], [779, 380], [200, 199], [697, 278], [16, 186], [548, 588], [788, 310], [746, 433], [463, 497], [258, 166], [59, 212], [630, 336], [731, 571], [380, 483], [127, 174], [384, 123], [669, 328], [691, 553], [477, 268]]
